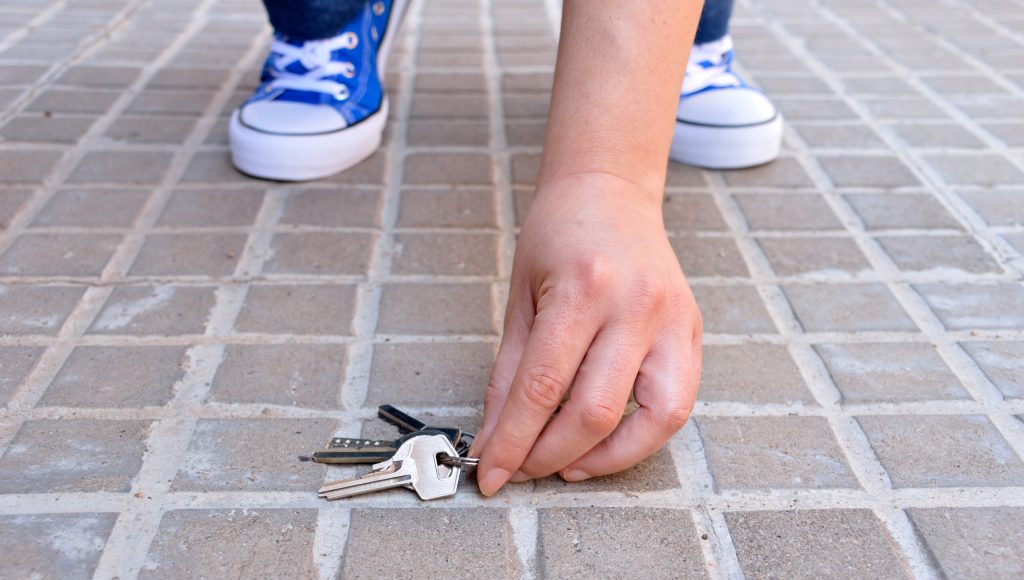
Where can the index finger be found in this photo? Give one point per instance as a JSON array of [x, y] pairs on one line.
[[554, 351]]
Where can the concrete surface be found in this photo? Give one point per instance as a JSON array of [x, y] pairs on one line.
[[173, 335]]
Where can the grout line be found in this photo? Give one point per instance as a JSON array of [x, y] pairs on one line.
[[353, 391], [124, 555]]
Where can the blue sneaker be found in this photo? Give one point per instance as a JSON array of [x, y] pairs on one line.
[[722, 123], [321, 107]]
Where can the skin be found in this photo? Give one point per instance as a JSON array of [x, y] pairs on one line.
[[598, 304]]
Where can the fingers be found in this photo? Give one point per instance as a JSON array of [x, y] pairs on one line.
[[599, 396], [558, 342], [510, 352], [665, 390]]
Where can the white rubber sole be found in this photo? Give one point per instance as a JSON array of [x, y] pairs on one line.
[[305, 157], [727, 147]]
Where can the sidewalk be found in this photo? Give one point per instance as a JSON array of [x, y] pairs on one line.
[[173, 334]]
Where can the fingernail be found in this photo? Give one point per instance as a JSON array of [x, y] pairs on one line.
[[493, 480], [520, 477], [575, 475]]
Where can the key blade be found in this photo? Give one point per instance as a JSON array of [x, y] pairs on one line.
[[398, 469], [368, 487], [336, 457], [405, 423]]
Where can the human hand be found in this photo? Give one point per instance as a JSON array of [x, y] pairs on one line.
[[597, 303]]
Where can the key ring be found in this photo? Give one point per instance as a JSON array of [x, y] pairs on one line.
[[456, 461]]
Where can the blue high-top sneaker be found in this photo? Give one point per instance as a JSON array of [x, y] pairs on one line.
[[321, 107], [722, 123]]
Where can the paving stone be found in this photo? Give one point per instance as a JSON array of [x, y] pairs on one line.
[[429, 373], [320, 253], [333, 208], [436, 308], [220, 456], [447, 209], [20, 74], [315, 309], [839, 136], [867, 171], [656, 473], [758, 374], [709, 256], [151, 130], [1012, 134], [58, 255], [1001, 362], [976, 170], [814, 256], [692, 212], [369, 171], [903, 108], [406, 543], [11, 201], [999, 208], [784, 172], [92, 208], [890, 372], [54, 545], [525, 168], [942, 253], [26, 166], [617, 542], [99, 76], [303, 375], [836, 543], [793, 85], [801, 211], [967, 306], [36, 309], [774, 452], [525, 132], [813, 108], [935, 450], [15, 364], [188, 255], [452, 82], [937, 135], [165, 102], [680, 175], [448, 133], [446, 254], [42, 129], [73, 101], [117, 377], [73, 455], [732, 310], [212, 167], [973, 542], [121, 167], [883, 211], [197, 543], [155, 310], [443, 168], [452, 106], [527, 82], [847, 308], [210, 208]]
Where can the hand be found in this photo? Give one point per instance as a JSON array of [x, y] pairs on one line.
[[597, 303]]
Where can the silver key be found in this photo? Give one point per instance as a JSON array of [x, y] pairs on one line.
[[414, 465]]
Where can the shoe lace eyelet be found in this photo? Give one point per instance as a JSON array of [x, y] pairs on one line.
[[378, 8], [351, 39]]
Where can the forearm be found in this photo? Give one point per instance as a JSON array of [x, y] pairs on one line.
[[620, 66]]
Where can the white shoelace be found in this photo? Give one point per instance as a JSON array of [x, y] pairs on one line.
[[699, 76], [315, 56]]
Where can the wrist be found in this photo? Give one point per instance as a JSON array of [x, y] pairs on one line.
[[598, 187]]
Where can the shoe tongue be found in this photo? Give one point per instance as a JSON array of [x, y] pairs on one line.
[[710, 54]]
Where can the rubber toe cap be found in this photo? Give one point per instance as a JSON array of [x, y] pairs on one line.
[[727, 107], [291, 118]]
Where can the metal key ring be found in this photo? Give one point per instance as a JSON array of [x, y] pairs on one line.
[[456, 461]]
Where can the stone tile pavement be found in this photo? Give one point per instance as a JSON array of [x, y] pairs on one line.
[[174, 334]]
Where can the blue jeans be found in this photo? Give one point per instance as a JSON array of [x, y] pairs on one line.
[[315, 19]]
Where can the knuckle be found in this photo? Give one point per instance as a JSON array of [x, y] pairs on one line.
[[675, 416], [600, 415], [592, 277], [543, 387], [650, 292], [493, 395]]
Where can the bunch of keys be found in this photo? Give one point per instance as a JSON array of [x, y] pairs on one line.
[[429, 460]]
